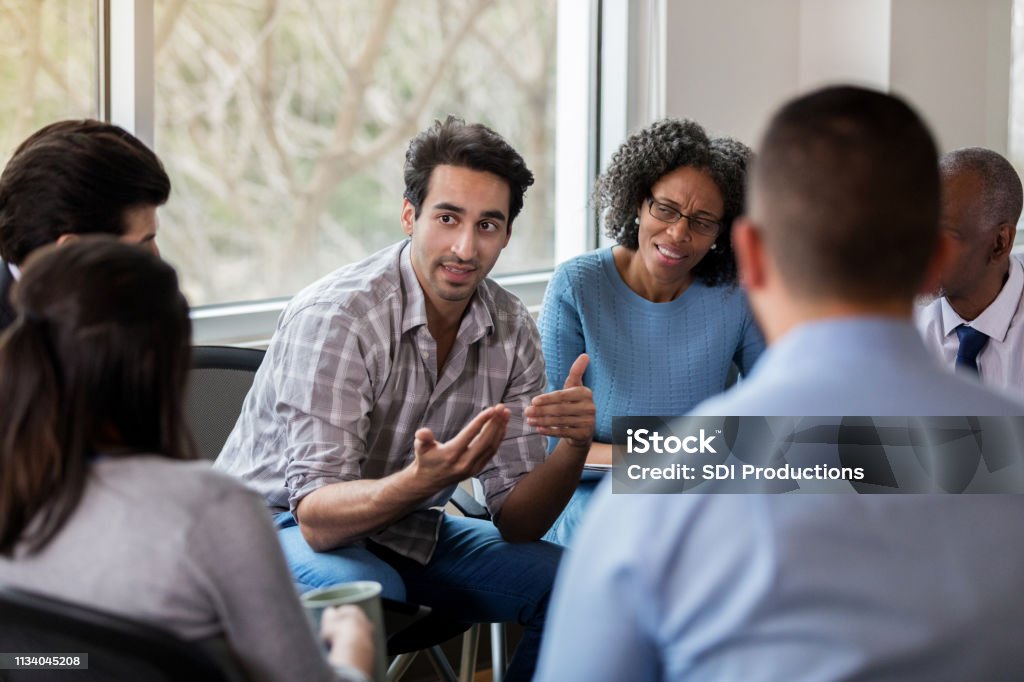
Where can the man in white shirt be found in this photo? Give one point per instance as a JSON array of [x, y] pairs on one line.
[[975, 324]]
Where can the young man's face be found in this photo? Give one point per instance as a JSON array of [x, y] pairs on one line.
[[459, 234], [141, 225]]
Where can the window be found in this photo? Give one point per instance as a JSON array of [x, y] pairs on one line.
[[1016, 133], [48, 66], [283, 125]]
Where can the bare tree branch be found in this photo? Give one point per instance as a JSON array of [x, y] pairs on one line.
[[334, 53], [33, 53], [271, 116], [326, 170], [339, 162], [266, 102], [167, 23]]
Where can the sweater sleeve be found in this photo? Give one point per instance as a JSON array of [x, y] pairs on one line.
[[561, 329], [751, 342], [236, 560]]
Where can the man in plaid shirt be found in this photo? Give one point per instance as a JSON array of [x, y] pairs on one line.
[[390, 380]]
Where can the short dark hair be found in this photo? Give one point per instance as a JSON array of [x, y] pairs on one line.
[[1001, 193], [97, 357], [469, 145], [660, 148], [75, 177], [846, 188]]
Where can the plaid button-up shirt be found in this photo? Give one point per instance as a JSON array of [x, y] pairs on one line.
[[351, 374]]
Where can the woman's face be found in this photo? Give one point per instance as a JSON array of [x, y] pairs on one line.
[[668, 250]]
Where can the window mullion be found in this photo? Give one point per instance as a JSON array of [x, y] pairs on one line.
[[127, 45]]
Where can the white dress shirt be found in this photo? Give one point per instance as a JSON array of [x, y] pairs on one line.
[[1001, 361]]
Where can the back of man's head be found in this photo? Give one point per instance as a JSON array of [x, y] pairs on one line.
[[846, 190], [1001, 195], [75, 177]]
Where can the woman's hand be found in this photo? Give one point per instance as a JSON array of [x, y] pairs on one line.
[[350, 635]]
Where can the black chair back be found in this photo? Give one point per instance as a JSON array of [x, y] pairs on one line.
[[220, 378], [118, 648]]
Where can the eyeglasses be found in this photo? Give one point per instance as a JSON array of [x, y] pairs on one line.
[[667, 214]]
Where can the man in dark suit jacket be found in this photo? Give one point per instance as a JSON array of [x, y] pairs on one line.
[[73, 178]]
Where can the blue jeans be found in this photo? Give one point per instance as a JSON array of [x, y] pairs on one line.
[[474, 576], [565, 526]]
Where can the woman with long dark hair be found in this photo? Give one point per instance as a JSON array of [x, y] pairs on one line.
[[97, 505]]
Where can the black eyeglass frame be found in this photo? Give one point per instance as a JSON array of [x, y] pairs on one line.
[[702, 226]]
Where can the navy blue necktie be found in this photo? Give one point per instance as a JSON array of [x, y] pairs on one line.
[[971, 343]]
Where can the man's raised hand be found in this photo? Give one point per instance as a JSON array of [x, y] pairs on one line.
[[439, 465], [567, 413]]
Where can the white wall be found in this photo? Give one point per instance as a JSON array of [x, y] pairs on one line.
[[730, 63], [951, 58], [843, 41]]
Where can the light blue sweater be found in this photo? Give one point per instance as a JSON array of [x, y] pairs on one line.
[[645, 358]]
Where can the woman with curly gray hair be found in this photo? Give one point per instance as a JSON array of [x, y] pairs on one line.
[[659, 313]]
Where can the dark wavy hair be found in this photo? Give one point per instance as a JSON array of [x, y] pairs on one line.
[[660, 148], [469, 145], [97, 358], [75, 177]]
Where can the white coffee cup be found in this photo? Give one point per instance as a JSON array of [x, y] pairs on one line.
[[362, 593]]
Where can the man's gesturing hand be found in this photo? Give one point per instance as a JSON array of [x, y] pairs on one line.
[[568, 413], [439, 465]]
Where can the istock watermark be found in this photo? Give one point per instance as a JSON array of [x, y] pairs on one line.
[[818, 454]]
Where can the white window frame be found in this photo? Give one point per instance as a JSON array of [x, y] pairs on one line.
[[127, 99]]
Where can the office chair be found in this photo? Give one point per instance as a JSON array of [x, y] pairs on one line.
[[218, 383], [118, 648]]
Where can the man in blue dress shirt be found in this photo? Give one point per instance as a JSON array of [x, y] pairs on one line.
[[842, 232]]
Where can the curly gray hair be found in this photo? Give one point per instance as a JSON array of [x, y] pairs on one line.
[[660, 148]]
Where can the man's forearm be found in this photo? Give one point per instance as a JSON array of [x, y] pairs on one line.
[[342, 513], [540, 496]]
